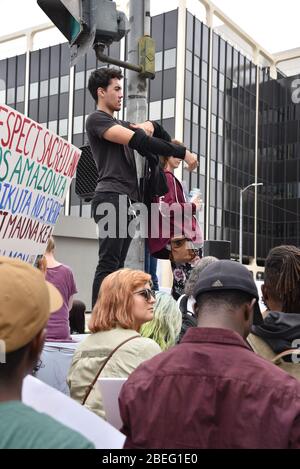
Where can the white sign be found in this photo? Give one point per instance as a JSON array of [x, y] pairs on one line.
[[44, 398], [36, 170], [110, 389]]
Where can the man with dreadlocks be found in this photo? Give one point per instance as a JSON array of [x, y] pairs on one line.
[[276, 338]]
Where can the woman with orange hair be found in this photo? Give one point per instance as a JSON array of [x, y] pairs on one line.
[[124, 304]]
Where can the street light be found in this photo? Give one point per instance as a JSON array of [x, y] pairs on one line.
[[241, 216]]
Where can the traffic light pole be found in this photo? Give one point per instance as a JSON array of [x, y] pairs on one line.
[[99, 48], [137, 108]]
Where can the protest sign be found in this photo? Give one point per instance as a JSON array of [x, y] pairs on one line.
[[36, 170]]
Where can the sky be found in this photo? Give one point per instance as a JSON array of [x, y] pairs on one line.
[[274, 24]]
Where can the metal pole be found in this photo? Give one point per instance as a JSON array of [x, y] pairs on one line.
[[256, 161], [137, 108], [209, 21], [241, 227]]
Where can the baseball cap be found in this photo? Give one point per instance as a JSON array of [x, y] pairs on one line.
[[228, 275], [27, 300]]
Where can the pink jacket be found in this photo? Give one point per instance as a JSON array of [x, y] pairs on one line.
[[165, 224]]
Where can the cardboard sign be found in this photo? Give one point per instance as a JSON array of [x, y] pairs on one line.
[[36, 170]]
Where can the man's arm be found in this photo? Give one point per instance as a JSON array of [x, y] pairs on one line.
[[141, 142]]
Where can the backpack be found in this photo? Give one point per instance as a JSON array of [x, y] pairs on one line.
[[260, 347], [86, 175], [154, 183]]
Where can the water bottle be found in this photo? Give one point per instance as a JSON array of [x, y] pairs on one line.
[[195, 192]]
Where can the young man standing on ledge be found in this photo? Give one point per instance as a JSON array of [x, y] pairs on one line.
[[113, 143]]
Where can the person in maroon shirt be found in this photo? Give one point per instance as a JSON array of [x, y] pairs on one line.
[[212, 390]]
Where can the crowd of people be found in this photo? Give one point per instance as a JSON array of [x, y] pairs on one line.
[[203, 367]]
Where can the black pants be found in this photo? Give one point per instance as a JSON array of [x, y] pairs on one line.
[[112, 248]]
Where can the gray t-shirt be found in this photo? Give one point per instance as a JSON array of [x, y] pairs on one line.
[[115, 162]]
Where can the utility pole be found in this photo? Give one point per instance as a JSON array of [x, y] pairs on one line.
[[137, 89]]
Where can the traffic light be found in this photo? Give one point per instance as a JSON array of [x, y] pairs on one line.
[[85, 22], [76, 20]]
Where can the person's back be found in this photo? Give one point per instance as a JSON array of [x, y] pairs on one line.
[[114, 348], [21, 427], [211, 390], [61, 276], [277, 337], [91, 354], [27, 302], [223, 395]]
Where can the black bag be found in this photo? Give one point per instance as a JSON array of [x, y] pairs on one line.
[[155, 182], [86, 175]]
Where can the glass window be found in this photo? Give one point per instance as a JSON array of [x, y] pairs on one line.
[[64, 84], [220, 172], [53, 107], [63, 106], [195, 139], [78, 125], [195, 114], [204, 71], [2, 82], [170, 29], [203, 94], [168, 108], [52, 126], [156, 87], [53, 86], [202, 165], [189, 60], [44, 88], [213, 123], [205, 42], [63, 127], [220, 127], [215, 78], [20, 94], [155, 110], [221, 82], [196, 66], [189, 31], [188, 85], [219, 217], [187, 109], [2, 97], [10, 99], [170, 58], [169, 83], [158, 61], [187, 133], [203, 118], [212, 169], [196, 90], [79, 80], [34, 89], [157, 27], [197, 43]]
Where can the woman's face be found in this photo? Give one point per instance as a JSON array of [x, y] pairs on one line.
[[173, 163], [143, 304]]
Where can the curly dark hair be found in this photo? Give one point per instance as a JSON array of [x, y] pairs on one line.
[[282, 277], [101, 78]]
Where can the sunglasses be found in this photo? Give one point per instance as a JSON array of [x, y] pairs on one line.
[[146, 293]]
